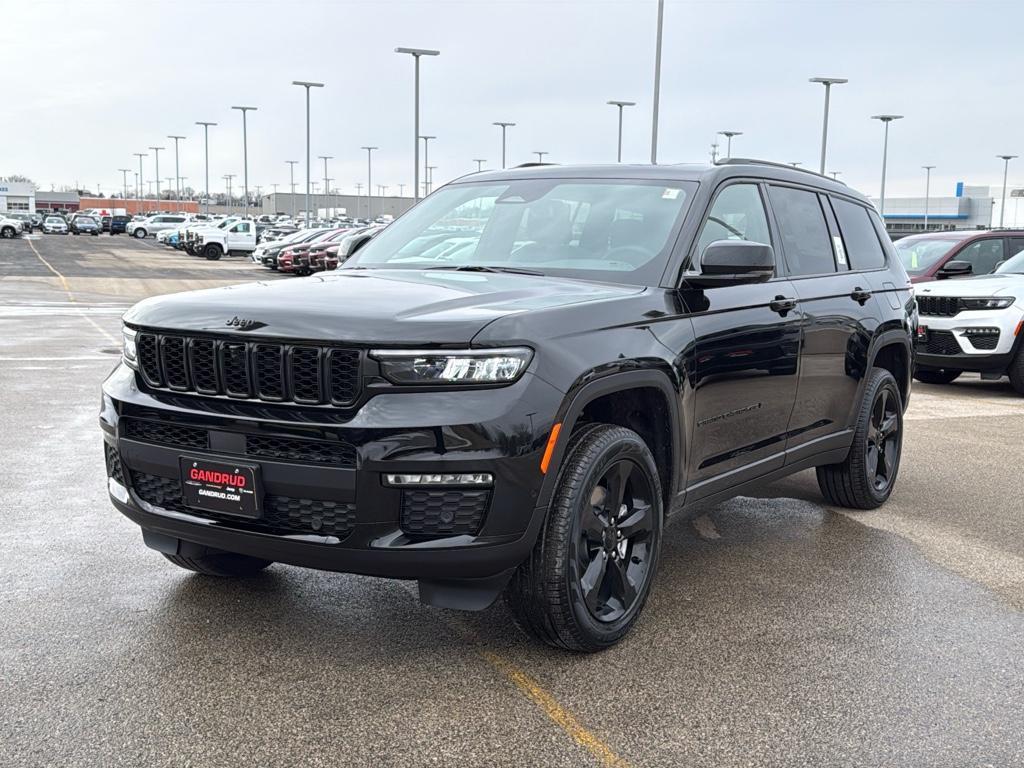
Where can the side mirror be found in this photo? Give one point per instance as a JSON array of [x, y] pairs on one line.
[[955, 269], [734, 262]]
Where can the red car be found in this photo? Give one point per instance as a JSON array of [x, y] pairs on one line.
[[941, 255]]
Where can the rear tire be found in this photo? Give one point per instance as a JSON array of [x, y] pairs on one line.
[[586, 581], [936, 375], [1016, 372], [215, 562], [7, 233], [865, 479]]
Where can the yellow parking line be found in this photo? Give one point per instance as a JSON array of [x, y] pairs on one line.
[[561, 716], [70, 293]]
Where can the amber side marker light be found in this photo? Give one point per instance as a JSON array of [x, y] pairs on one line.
[[1020, 325], [550, 449]]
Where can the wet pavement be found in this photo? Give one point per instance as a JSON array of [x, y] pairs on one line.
[[780, 632]]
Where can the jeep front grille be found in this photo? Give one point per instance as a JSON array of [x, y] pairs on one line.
[[277, 373], [938, 306]]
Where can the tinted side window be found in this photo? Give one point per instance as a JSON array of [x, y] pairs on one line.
[[1016, 246], [983, 255], [805, 238], [737, 214], [862, 247]]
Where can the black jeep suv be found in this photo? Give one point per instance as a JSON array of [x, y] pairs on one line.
[[516, 384]]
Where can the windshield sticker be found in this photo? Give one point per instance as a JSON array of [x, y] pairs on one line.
[[670, 193], [837, 241]]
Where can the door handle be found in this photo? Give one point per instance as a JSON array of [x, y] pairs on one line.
[[782, 305], [860, 295]]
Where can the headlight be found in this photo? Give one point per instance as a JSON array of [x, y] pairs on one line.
[[128, 350], [1001, 302], [470, 366]]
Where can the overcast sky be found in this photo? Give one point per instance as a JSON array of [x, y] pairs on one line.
[[86, 84]]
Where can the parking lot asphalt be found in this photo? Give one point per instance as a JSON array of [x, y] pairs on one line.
[[780, 631]]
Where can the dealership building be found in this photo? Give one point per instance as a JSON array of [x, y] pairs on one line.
[[970, 207], [17, 196]]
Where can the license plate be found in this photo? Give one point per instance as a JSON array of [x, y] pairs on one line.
[[922, 333], [213, 486]]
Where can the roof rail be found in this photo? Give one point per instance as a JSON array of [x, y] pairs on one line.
[[786, 166], [532, 165]]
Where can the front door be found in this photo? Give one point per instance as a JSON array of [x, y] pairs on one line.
[[745, 357]]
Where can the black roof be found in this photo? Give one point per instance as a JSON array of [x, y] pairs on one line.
[[712, 174]]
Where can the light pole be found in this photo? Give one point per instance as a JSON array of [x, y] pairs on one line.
[[369, 182], [714, 152], [479, 164], [504, 127], [359, 195], [927, 192], [307, 85], [327, 198], [245, 158], [657, 84], [327, 189], [177, 181], [291, 171], [728, 141], [140, 182], [228, 177], [796, 164], [401, 190], [426, 162], [1006, 169], [886, 119], [182, 180], [206, 155], [156, 151], [168, 179], [430, 174], [620, 105], [124, 179], [540, 155], [828, 82], [416, 53]]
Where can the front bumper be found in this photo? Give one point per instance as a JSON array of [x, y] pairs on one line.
[[497, 431], [983, 341]]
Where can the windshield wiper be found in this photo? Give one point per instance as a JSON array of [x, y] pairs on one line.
[[484, 268]]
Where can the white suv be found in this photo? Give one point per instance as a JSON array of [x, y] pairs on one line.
[[974, 324], [158, 223]]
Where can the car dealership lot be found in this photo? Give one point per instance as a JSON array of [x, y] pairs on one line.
[[779, 631]]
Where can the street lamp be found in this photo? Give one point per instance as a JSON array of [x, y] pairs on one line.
[[140, 182], [796, 164], [886, 119], [177, 182], [426, 162], [540, 155], [291, 172], [245, 158], [156, 151], [828, 82], [124, 179], [728, 141], [504, 127], [835, 174], [369, 182], [479, 164], [620, 105], [307, 85], [927, 192], [657, 83], [327, 190], [1006, 169], [416, 53], [228, 177], [206, 155]]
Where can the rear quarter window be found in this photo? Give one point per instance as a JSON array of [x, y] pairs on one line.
[[863, 250]]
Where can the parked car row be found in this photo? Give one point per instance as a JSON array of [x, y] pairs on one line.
[[313, 250]]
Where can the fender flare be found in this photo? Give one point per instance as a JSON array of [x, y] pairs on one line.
[[884, 339], [572, 407]]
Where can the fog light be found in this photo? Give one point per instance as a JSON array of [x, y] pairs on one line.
[[981, 331], [471, 478]]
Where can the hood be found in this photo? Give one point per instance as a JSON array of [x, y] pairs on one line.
[[385, 306], [980, 286]]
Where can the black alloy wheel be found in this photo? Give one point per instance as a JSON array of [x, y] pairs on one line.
[[613, 547], [883, 441]]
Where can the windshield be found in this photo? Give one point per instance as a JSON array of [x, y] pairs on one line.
[[596, 229], [86, 220], [1014, 265], [919, 255], [54, 220]]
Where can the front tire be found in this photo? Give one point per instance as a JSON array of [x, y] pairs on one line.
[[865, 479], [216, 562], [7, 233], [586, 581], [212, 252], [1016, 372], [139, 234], [936, 375]]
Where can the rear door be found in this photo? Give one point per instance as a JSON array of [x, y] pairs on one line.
[[745, 357], [827, 265]]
